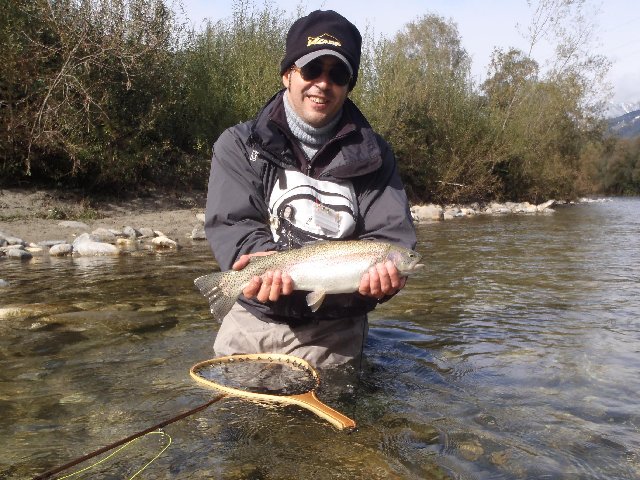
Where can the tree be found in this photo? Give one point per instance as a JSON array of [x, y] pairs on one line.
[[416, 90], [542, 118]]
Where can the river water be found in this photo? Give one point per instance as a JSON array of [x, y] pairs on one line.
[[514, 355]]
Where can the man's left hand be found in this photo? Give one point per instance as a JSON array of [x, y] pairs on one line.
[[381, 280]]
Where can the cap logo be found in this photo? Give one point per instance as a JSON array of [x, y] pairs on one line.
[[324, 39]]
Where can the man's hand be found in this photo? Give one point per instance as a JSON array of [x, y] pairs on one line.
[[274, 283], [381, 280]]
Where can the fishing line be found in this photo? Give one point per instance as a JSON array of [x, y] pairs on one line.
[[126, 445], [129, 439]]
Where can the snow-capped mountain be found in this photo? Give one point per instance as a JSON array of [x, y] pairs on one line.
[[618, 109], [627, 125]]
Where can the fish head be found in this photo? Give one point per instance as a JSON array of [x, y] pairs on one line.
[[405, 260]]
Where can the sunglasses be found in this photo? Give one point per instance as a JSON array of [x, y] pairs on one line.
[[338, 73]]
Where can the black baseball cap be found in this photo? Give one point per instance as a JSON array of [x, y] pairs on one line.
[[323, 32]]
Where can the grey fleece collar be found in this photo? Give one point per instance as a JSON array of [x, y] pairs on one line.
[[311, 138]]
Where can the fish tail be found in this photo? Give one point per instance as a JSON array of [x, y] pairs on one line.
[[219, 301]]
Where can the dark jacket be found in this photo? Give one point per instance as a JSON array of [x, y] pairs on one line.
[[244, 167]]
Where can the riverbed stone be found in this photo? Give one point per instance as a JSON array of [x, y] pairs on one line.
[[146, 232], [35, 250], [4, 283], [84, 237], [131, 232], [162, 241], [545, 206], [127, 243], [77, 398], [520, 207], [198, 233], [91, 248], [10, 240], [452, 211], [61, 249], [103, 235], [429, 212], [11, 247], [495, 208], [50, 243], [19, 311], [18, 253], [499, 458], [471, 450]]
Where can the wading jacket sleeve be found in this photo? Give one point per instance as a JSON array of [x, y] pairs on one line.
[[244, 168]]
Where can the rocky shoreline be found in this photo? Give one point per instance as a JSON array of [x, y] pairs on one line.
[[115, 241], [158, 223], [101, 241], [432, 212]]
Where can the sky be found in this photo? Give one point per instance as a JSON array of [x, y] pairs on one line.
[[482, 25]]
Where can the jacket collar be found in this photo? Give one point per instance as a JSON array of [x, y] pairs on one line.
[[353, 151]]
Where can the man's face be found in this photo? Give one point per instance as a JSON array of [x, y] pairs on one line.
[[318, 100]]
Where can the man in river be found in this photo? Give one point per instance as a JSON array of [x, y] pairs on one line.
[[309, 167]]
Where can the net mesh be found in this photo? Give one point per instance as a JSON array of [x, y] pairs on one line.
[[261, 376]]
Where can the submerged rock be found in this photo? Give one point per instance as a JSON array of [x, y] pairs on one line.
[[471, 450], [26, 311]]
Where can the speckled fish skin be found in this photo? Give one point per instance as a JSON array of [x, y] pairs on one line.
[[320, 268]]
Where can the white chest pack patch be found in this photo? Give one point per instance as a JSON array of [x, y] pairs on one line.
[[319, 208]]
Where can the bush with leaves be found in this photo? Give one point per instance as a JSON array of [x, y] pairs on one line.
[[119, 93]]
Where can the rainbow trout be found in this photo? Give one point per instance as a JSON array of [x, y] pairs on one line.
[[320, 268]]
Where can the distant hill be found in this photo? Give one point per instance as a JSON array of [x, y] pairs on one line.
[[627, 125]]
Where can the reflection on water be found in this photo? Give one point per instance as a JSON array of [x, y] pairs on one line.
[[513, 355]]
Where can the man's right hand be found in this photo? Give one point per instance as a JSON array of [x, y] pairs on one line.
[[268, 287]]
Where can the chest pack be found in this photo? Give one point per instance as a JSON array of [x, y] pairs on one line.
[[304, 209]]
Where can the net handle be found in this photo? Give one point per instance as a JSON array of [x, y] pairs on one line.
[[310, 401], [307, 400]]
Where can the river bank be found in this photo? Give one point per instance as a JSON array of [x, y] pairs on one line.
[[38, 215], [40, 218]]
